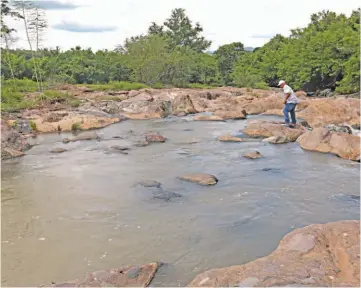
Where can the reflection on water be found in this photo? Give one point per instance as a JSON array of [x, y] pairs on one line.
[[66, 214]]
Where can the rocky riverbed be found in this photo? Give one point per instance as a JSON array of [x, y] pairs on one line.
[[207, 171]]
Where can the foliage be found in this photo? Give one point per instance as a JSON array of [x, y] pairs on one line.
[[227, 55]]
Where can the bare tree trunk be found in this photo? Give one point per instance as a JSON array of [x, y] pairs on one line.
[[31, 48]]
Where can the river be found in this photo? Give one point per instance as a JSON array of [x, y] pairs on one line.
[[67, 214]]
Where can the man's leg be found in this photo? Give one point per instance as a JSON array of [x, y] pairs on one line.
[[293, 113], [285, 113]]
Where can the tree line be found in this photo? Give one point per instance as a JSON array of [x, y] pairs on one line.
[[325, 54]]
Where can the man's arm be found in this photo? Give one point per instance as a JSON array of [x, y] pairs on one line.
[[287, 95]]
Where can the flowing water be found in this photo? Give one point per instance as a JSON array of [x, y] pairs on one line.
[[67, 214]]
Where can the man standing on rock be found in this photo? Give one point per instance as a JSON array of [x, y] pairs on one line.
[[290, 104]]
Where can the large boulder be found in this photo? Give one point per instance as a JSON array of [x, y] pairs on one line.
[[127, 276], [316, 255], [231, 114], [261, 105], [323, 140], [325, 111], [260, 128]]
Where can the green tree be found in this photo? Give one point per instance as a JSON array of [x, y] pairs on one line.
[[227, 55]]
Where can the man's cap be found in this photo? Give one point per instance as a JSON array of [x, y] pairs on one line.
[[281, 82]]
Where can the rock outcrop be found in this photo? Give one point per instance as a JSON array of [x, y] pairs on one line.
[[323, 140], [259, 128], [315, 255], [127, 276]]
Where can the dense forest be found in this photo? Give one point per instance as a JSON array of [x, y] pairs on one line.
[[325, 54]]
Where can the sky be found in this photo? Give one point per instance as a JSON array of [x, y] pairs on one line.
[[107, 23]]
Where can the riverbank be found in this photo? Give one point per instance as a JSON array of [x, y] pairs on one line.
[[339, 115]]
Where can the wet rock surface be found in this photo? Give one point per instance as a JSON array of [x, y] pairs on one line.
[[259, 128], [252, 155], [315, 255], [323, 140], [126, 276], [155, 138], [200, 178]]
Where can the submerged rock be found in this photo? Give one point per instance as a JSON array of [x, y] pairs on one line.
[[150, 183], [341, 144], [88, 135], [200, 178], [317, 255], [252, 155], [126, 276], [120, 148], [141, 143], [155, 138], [58, 150]]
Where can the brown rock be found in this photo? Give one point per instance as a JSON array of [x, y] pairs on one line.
[[202, 179], [325, 111], [316, 255], [322, 140], [233, 114], [183, 105], [155, 138], [258, 106], [84, 121], [207, 118], [229, 138], [127, 276], [259, 128], [252, 155], [66, 140], [58, 150]]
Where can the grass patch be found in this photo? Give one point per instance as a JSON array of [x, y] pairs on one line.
[[121, 85], [33, 126], [75, 127]]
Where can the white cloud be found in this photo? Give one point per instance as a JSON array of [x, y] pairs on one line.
[[223, 21]]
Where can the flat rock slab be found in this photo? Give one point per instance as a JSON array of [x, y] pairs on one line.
[[127, 276], [200, 178], [229, 138], [317, 255], [252, 155], [260, 128], [322, 140]]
